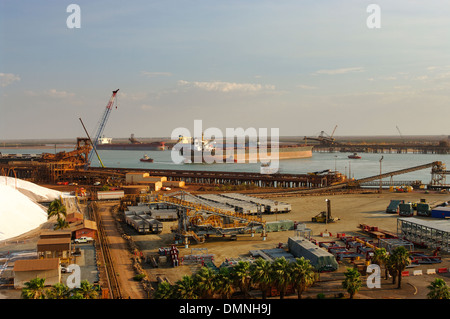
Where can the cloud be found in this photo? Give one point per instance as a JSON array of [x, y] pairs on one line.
[[306, 87], [147, 107], [226, 87], [8, 78], [52, 93], [133, 96], [340, 71], [155, 74]]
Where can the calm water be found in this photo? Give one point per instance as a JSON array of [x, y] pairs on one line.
[[369, 165]]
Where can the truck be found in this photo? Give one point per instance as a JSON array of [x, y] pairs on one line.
[[423, 209], [394, 206], [83, 239], [406, 210]]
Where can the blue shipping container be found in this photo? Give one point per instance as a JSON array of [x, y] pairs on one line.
[[441, 212]]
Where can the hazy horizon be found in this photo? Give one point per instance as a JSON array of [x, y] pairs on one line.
[[338, 138], [300, 66]]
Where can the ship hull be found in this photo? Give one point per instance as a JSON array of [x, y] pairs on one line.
[[249, 155]]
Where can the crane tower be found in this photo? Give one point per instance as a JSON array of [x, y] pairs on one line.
[[102, 124]]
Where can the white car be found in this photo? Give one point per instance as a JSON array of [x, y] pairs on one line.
[[83, 240], [65, 270]]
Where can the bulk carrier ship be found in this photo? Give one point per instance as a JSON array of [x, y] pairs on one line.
[[105, 143], [195, 150]]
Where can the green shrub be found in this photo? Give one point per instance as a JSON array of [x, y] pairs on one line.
[[139, 277]]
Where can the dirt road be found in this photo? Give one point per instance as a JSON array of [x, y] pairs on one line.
[[121, 256]]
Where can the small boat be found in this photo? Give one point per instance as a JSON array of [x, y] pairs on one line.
[[146, 159], [355, 156]]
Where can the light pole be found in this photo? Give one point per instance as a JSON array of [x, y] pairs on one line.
[[328, 215], [381, 184]]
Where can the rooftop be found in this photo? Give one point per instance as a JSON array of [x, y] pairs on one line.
[[36, 264]]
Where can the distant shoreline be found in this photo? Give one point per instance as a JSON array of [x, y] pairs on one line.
[[69, 143], [35, 146]]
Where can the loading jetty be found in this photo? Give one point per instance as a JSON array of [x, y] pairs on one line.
[[442, 147]]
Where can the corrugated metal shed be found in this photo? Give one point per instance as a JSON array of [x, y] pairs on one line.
[[319, 258], [53, 244], [56, 234], [36, 264]]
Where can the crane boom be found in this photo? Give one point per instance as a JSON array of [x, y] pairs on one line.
[[401, 136], [332, 134], [102, 124]]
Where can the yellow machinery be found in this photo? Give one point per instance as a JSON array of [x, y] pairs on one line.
[[325, 217]]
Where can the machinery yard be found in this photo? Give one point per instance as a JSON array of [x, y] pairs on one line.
[[353, 210], [361, 216]]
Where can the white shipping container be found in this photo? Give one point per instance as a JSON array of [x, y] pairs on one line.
[[110, 195]]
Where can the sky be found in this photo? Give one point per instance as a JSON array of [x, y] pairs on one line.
[[303, 66]]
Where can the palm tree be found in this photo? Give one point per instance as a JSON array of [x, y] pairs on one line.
[[164, 291], [61, 224], [302, 275], [86, 290], [438, 289], [281, 275], [241, 276], [380, 257], [185, 288], [352, 282], [56, 208], [399, 259], [34, 289], [58, 291], [391, 269], [205, 282], [261, 275], [224, 284]]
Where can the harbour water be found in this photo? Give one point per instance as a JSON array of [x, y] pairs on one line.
[[368, 165]]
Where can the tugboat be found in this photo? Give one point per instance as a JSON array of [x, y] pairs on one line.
[[146, 159], [354, 156]]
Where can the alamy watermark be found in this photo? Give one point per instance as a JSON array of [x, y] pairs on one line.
[[74, 279], [74, 19], [374, 279], [374, 19]]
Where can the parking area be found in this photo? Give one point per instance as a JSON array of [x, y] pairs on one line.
[[86, 258]]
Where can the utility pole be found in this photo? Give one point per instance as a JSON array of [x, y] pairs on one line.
[[381, 181]]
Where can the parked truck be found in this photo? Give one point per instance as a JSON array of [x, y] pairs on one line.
[[406, 210], [423, 209], [394, 206], [83, 240]]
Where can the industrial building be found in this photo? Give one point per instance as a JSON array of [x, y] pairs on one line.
[[84, 228], [267, 206], [28, 269], [55, 248], [425, 232]]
